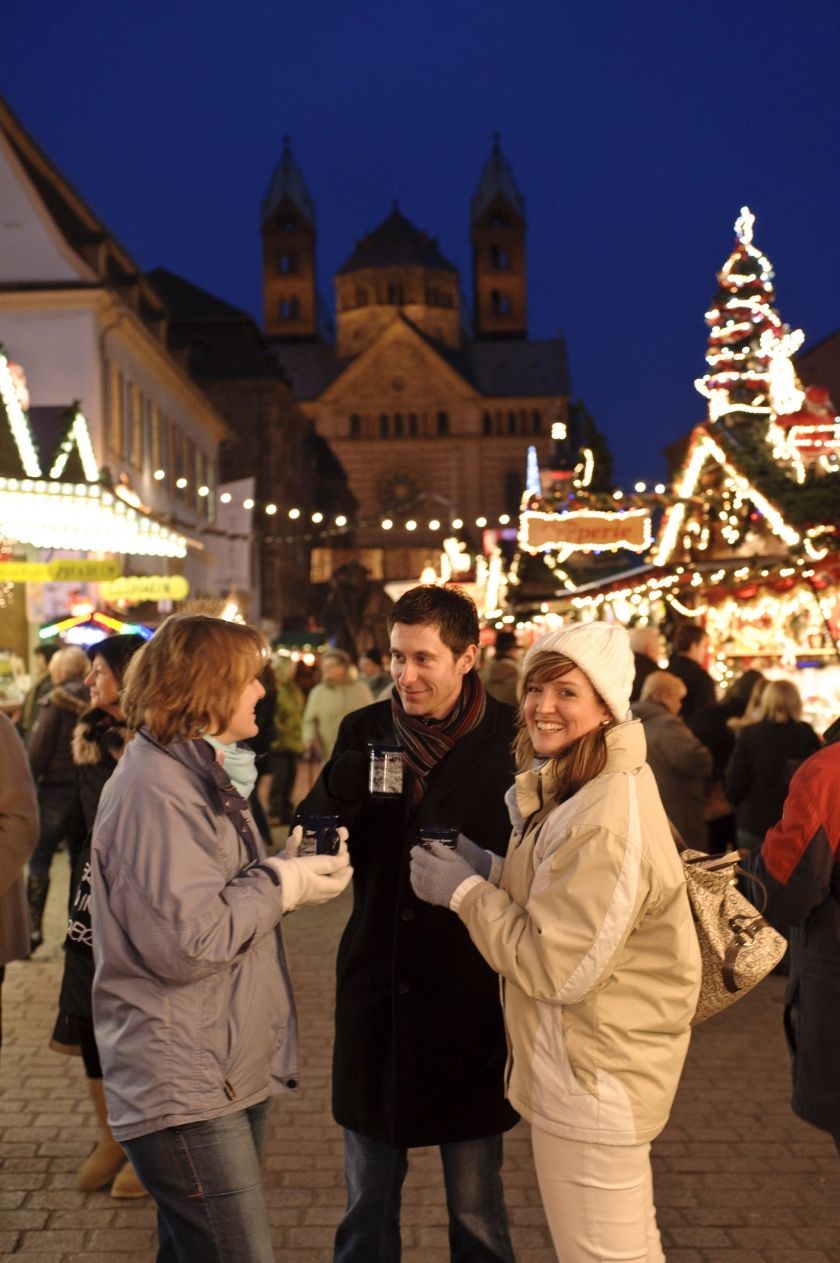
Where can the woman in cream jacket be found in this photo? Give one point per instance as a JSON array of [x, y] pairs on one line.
[[588, 924]]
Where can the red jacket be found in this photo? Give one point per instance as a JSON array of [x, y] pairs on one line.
[[799, 862]]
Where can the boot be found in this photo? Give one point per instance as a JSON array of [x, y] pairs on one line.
[[107, 1158], [127, 1183], [37, 886]]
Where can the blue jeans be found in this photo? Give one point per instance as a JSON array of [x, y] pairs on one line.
[[207, 1183], [472, 1175]]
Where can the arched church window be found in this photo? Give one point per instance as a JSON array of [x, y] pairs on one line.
[[499, 259], [287, 263], [536, 421], [443, 422], [412, 422], [511, 422], [361, 296], [355, 425], [487, 423], [398, 424], [395, 293], [383, 425], [499, 303]]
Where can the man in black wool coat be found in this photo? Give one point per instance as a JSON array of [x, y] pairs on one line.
[[419, 1041]]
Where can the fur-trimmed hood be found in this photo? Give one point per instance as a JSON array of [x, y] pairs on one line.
[[72, 696], [98, 735]]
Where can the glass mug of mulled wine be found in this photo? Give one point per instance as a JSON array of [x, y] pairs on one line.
[[320, 835], [430, 833], [385, 770]]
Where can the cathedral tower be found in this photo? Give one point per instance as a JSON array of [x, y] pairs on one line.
[[288, 235], [497, 228]]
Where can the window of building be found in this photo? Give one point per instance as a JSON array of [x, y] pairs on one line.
[[355, 425], [487, 423], [178, 462], [513, 492], [383, 425], [499, 303], [287, 263], [499, 259], [395, 293], [289, 309], [536, 421], [498, 219], [398, 424], [286, 223], [148, 425], [136, 442], [443, 422], [154, 449], [412, 422], [116, 401], [511, 422], [361, 296]]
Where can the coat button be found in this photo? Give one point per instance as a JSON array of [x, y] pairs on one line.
[[403, 988], [407, 914], [291, 1083]]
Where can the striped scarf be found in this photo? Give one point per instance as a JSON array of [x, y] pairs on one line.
[[426, 742]]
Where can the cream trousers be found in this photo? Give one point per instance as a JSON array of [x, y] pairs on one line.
[[598, 1200]]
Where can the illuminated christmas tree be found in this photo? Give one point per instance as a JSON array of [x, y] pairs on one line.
[[751, 373]]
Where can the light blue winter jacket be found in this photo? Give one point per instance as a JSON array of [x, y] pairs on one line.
[[192, 1003]]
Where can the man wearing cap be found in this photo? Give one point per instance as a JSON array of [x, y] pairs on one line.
[[501, 675], [419, 1041]]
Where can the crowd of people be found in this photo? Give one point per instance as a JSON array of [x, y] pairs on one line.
[[520, 942]]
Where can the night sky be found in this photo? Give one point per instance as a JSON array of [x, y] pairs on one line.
[[636, 130]]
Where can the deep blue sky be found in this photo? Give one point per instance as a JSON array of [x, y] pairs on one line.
[[636, 129]]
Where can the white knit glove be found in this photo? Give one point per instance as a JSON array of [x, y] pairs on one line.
[[485, 863], [311, 879]]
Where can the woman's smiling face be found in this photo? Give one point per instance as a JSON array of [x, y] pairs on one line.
[[559, 711]]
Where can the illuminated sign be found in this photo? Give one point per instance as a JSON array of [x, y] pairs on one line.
[[134, 589], [62, 570], [586, 530]]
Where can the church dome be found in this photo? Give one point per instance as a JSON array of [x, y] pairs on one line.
[[396, 243]]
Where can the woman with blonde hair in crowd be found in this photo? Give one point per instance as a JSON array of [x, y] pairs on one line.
[[588, 923], [192, 1004], [768, 750]]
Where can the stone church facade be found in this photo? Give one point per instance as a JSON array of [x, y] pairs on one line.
[[431, 416]]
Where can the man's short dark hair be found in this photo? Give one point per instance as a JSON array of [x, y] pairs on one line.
[[373, 655], [687, 636], [449, 610]]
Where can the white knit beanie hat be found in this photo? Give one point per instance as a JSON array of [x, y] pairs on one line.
[[603, 653]]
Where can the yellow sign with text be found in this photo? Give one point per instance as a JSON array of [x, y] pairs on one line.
[[134, 589], [62, 570]]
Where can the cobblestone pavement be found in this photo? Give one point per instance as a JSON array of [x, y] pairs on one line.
[[738, 1178]]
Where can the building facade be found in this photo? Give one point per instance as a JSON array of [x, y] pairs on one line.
[[430, 414], [90, 333]]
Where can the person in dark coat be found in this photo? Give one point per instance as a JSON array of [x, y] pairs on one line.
[[419, 1042], [41, 684], [799, 865], [686, 662], [710, 724], [680, 763], [99, 738], [764, 758], [51, 763], [648, 650], [18, 835]]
